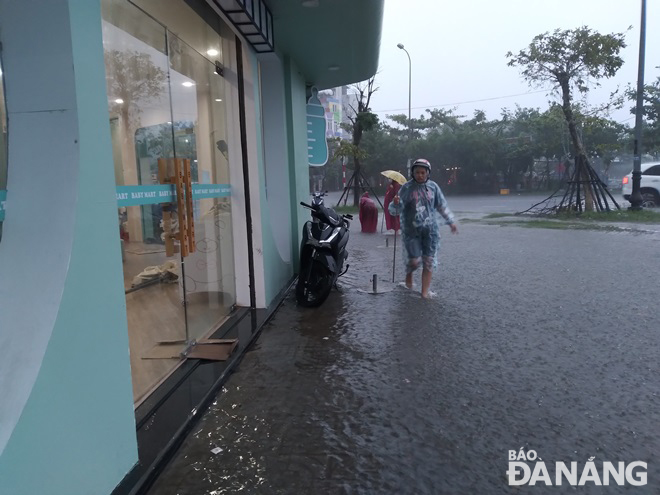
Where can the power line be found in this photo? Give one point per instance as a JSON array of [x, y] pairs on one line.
[[461, 102]]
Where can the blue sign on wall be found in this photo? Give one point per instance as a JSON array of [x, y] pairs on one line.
[[317, 146], [3, 199]]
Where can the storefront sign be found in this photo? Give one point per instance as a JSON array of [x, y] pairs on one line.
[[165, 193], [201, 191], [317, 146], [3, 200]]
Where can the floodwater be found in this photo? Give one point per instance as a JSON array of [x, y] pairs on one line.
[[541, 339]]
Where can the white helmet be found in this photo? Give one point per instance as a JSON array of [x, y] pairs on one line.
[[421, 162]]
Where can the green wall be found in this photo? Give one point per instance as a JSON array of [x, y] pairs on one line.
[[296, 123], [277, 271]]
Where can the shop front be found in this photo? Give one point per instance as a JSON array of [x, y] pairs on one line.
[[168, 106]]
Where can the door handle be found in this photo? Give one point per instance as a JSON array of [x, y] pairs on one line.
[[164, 178], [180, 203], [187, 182]]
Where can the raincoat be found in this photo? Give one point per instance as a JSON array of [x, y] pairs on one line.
[[391, 222], [418, 208], [368, 214]]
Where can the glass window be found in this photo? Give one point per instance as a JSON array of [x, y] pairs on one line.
[[203, 35], [655, 170], [168, 128]]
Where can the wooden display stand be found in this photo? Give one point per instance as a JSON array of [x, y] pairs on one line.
[[182, 181]]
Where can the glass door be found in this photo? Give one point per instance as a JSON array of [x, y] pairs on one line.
[[137, 72], [200, 145], [171, 161]]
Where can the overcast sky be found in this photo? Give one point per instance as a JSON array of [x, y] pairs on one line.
[[458, 51]]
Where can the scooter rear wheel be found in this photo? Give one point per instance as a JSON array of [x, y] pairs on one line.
[[314, 287]]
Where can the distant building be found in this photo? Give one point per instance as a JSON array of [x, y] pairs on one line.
[[339, 103]]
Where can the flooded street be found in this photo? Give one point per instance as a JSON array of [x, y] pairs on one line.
[[545, 339]]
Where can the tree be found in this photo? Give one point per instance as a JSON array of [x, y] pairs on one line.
[[361, 119], [602, 138], [651, 104], [569, 59], [383, 150]]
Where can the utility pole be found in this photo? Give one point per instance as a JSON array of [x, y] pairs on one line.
[[400, 45], [636, 196]]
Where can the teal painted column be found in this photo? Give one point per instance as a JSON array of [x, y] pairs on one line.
[[66, 418], [296, 122]]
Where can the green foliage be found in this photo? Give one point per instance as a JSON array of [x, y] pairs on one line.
[[571, 56], [642, 216], [347, 150], [602, 137], [651, 106], [568, 59]]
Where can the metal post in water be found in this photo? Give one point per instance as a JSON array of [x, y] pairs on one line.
[[387, 242], [375, 282]]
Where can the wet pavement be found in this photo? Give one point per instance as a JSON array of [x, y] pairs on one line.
[[543, 339]]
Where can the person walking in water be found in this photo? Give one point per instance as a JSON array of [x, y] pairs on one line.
[[416, 203]]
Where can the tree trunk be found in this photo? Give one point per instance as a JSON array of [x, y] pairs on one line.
[[581, 160], [356, 181], [357, 137]]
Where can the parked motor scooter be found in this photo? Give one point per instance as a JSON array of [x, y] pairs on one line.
[[322, 252]]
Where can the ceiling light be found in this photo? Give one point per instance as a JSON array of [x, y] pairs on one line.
[[212, 52], [310, 3], [333, 67], [188, 84], [119, 101], [218, 99]]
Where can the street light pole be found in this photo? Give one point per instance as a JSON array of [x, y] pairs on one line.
[[400, 45], [636, 196]]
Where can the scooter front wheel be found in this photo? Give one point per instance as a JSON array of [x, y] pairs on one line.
[[314, 286]]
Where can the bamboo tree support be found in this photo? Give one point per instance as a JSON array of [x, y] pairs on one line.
[[346, 189], [583, 183]]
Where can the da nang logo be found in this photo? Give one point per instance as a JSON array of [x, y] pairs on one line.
[[527, 468]]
